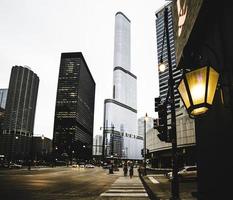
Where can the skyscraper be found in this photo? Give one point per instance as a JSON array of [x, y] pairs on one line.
[[20, 113], [162, 52], [74, 113], [120, 112], [3, 96], [97, 145], [141, 125]]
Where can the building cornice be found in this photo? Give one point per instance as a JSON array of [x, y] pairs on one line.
[[121, 13], [125, 71], [119, 104]]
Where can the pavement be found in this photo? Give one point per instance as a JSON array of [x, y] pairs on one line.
[[159, 188]]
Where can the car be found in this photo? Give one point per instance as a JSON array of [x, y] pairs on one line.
[[188, 172], [15, 166], [89, 166], [81, 164], [106, 166]]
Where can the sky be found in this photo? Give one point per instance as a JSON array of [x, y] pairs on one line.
[[35, 33]]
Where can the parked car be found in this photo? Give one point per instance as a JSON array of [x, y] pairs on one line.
[[188, 172], [89, 166], [15, 166]]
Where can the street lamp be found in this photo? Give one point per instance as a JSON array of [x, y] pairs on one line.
[[42, 137], [170, 99], [30, 153], [144, 151], [112, 138], [197, 89]]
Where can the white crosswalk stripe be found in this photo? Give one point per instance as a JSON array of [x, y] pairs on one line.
[[126, 187], [153, 180]]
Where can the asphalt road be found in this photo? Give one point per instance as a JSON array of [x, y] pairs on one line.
[[60, 183]]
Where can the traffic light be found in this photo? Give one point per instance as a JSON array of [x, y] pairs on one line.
[[163, 115], [142, 153], [157, 103], [161, 123], [155, 123], [165, 136]]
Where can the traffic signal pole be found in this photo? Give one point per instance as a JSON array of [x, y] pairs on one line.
[[174, 183], [144, 149]]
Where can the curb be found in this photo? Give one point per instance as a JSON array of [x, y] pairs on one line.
[[151, 194]]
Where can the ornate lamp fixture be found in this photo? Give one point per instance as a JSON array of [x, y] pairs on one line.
[[197, 89]]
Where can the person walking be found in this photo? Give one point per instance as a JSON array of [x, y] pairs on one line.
[[131, 171], [125, 169]]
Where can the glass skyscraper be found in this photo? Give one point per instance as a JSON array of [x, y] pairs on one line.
[[120, 112], [74, 113], [162, 51]]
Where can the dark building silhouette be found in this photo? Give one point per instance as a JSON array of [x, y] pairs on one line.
[[206, 40], [19, 113], [42, 147], [74, 113]]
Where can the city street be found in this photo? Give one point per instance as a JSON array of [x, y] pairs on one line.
[[58, 183]]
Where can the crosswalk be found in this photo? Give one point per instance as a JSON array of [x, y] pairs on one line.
[[126, 187]]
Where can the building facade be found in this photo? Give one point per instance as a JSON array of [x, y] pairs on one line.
[[120, 112], [3, 96], [162, 53], [141, 125], [20, 111], [97, 145], [42, 148], [74, 113], [161, 152]]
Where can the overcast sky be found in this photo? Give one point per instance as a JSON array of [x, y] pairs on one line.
[[36, 32]]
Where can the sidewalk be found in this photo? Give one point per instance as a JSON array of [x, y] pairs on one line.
[[159, 188]]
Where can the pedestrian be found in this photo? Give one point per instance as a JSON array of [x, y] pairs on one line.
[[125, 169], [139, 170], [131, 171]]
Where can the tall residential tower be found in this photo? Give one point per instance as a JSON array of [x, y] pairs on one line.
[[20, 113], [120, 112]]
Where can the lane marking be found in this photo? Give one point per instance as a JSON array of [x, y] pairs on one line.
[[125, 194], [153, 180], [123, 190]]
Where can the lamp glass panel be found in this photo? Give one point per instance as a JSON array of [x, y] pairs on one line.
[[184, 95], [197, 85], [199, 111], [213, 80]]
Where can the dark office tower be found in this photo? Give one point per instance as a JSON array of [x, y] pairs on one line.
[[161, 41], [74, 113], [20, 113]]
